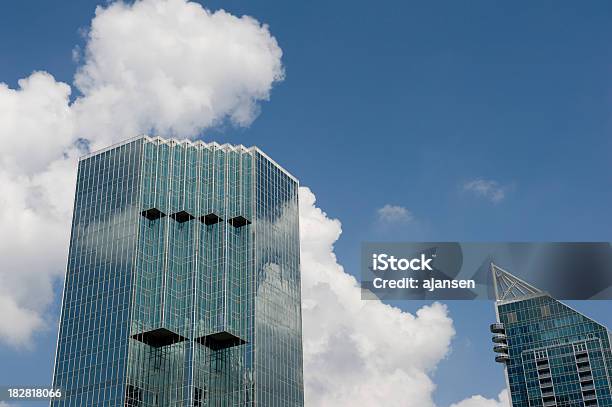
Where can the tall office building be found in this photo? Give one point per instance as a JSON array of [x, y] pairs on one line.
[[183, 279], [553, 355]]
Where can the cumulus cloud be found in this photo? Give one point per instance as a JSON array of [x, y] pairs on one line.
[[172, 68], [478, 401], [167, 67], [394, 214], [37, 177], [368, 353], [36, 123], [488, 189]]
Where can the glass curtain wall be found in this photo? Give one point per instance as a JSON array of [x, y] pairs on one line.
[[201, 244]]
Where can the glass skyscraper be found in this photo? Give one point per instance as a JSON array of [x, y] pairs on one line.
[[553, 355], [183, 279]]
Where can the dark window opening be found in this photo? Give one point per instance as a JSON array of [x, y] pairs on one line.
[[133, 396], [182, 216], [152, 214], [199, 396], [239, 221], [211, 219]]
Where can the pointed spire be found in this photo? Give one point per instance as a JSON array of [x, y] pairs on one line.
[[508, 286]]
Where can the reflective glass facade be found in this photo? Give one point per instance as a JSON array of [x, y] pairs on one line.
[[183, 281], [553, 355]]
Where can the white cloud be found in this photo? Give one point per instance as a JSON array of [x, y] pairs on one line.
[[172, 68], [365, 352], [37, 177], [478, 401], [394, 214], [155, 66], [36, 123], [488, 189]]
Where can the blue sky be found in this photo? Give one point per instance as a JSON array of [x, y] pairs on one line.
[[403, 103]]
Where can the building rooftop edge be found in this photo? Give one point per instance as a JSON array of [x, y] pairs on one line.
[[506, 285], [545, 294], [539, 293], [195, 143]]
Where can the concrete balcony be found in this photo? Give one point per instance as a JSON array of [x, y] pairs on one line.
[[501, 348], [498, 328], [502, 358], [582, 358], [546, 384], [543, 369], [499, 338], [581, 352]]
